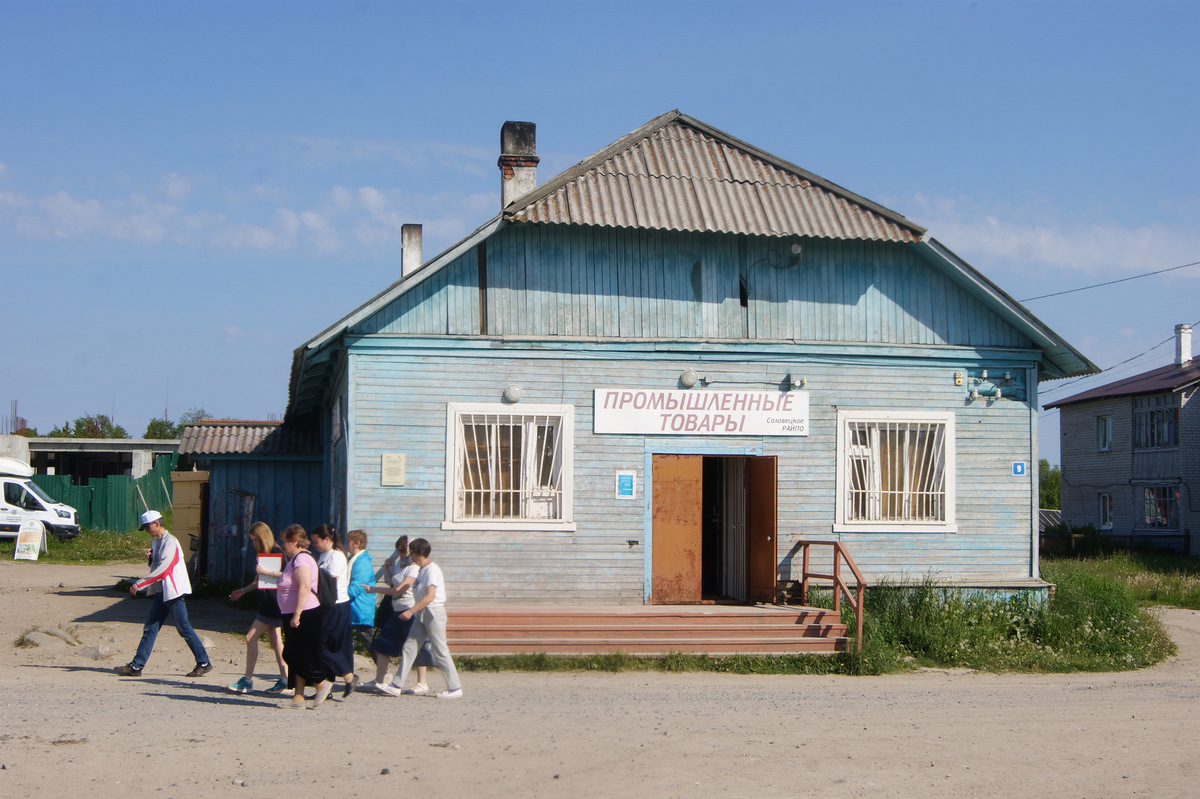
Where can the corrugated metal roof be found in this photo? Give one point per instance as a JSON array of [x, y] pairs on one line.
[[1166, 378], [676, 173], [234, 437]]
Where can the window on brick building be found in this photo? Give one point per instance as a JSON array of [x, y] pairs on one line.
[[1106, 511], [1156, 422], [1104, 433]]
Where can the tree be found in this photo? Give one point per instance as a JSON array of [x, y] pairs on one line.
[[96, 426], [164, 429], [1049, 485]]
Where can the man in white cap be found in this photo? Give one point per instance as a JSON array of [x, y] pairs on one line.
[[168, 584]]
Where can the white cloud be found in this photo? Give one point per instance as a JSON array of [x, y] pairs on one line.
[[1037, 238], [177, 188], [355, 222]]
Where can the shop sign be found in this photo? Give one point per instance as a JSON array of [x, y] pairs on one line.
[[700, 412]]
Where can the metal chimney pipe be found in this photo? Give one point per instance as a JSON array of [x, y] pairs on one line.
[[518, 161], [410, 249]]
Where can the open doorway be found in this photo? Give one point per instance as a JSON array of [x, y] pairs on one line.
[[713, 535]]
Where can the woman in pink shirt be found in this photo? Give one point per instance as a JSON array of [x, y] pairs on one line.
[[302, 619]]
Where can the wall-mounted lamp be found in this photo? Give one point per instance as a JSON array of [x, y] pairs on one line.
[[513, 393], [793, 382], [689, 378], [794, 253]]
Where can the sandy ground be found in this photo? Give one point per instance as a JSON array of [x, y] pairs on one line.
[[72, 728]]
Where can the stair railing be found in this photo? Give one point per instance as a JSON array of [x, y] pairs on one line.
[[839, 584]]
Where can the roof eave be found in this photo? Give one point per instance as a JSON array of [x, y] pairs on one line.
[[1059, 359]]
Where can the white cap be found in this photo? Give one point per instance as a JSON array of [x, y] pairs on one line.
[[150, 516]]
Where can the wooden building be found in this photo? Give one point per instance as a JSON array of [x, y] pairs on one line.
[[650, 378], [241, 472]]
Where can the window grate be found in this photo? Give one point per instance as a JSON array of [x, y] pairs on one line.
[[896, 472], [510, 467], [1160, 506]]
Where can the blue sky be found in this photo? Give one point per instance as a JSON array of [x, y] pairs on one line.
[[189, 191]]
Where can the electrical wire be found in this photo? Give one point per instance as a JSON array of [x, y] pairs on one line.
[[1141, 354], [1111, 282]]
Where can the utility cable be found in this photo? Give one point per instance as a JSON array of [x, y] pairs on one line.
[[1111, 282]]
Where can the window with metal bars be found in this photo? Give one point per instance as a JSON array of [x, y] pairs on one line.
[[509, 468], [1155, 422], [895, 472], [1160, 506]]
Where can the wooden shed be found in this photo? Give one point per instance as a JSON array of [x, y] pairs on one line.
[[248, 471], [652, 378]]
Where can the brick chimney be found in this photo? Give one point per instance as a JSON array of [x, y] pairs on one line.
[[410, 249], [1183, 345], [518, 161]]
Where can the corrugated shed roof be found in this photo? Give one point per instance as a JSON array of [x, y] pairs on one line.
[[234, 437], [1166, 378], [676, 173]]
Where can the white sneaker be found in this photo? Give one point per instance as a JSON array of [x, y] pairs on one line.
[[419, 688], [455, 694], [389, 689]]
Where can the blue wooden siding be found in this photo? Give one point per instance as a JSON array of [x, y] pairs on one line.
[[286, 492], [545, 280], [401, 391]]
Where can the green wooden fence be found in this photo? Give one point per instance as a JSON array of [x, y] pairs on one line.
[[114, 503]]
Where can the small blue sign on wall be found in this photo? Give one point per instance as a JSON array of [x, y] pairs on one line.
[[1018, 468], [626, 485]]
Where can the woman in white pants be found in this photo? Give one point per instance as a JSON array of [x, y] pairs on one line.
[[429, 622]]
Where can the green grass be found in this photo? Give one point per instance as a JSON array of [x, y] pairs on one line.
[[1152, 578], [1090, 624], [91, 546]]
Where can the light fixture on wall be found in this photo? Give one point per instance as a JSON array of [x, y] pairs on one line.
[[513, 393], [689, 378], [793, 382]]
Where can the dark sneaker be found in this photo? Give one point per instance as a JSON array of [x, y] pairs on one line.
[[128, 671], [200, 670]]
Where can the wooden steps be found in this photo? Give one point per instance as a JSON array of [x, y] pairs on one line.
[[644, 630]]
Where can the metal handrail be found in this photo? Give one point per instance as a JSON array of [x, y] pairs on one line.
[[839, 585]]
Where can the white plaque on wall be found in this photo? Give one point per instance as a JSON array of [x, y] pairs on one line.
[[391, 471]]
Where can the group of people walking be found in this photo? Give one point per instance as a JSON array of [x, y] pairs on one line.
[[322, 600]]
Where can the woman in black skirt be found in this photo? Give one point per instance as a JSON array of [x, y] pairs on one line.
[[302, 619]]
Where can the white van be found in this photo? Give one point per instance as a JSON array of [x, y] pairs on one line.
[[21, 500]]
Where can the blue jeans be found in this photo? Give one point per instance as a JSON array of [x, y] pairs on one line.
[[160, 609]]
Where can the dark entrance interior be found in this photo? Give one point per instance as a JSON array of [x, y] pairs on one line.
[[714, 529]]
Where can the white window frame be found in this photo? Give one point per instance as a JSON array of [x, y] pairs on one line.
[[845, 418], [1103, 433], [564, 415], [1106, 511]]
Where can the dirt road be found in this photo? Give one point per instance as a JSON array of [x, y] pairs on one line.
[[71, 728]]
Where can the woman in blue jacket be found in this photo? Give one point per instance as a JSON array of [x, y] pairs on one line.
[[362, 604]]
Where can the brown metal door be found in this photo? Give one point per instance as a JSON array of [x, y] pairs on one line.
[[678, 486], [762, 556]]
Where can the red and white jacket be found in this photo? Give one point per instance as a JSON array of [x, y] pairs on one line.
[[168, 571]]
